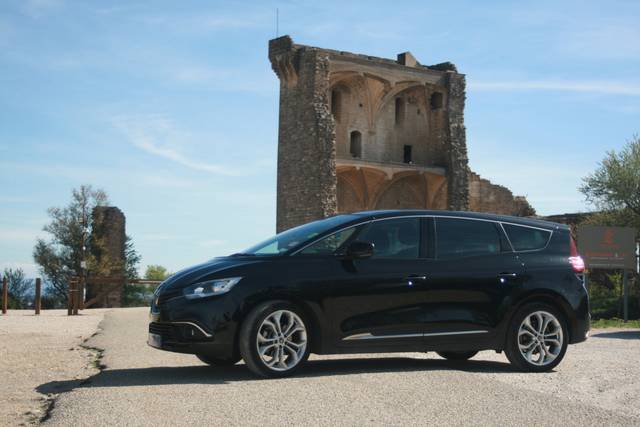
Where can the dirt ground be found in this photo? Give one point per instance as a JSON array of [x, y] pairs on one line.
[[37, 349], [48, 368]]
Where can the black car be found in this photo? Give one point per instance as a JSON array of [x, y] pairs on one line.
[[382, 281]]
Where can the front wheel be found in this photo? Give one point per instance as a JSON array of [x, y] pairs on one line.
[[537, 338], [273, 339]]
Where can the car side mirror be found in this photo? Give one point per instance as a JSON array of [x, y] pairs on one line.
[[359, 250]]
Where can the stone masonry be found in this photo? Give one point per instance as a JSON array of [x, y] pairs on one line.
[[109, 239], [358, 132]]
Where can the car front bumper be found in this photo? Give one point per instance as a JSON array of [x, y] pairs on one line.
[[204, 327]]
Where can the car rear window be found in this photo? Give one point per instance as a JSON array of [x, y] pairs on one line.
[[459, 238], [526, 238]]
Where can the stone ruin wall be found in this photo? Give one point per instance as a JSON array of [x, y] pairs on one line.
[[108, 232], [327, 95], [487, 197]]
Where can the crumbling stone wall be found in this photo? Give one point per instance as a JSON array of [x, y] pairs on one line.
[[306, 149], [487, 197], [358, 132], [108, 248]]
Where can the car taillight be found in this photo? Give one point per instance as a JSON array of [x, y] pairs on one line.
[[576, 261]]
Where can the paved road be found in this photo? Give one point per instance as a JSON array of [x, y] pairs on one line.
[[597, 384]]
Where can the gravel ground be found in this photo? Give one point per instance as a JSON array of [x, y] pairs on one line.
[[596, 384], [39, 349]]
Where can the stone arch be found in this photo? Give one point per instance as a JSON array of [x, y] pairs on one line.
[[349, 194], [404, 191]]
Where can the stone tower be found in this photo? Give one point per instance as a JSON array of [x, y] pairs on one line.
[[358, 132], [109, 238]]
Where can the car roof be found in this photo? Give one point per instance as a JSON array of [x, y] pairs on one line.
[[533, 222]]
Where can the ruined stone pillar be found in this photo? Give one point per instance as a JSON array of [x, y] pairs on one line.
[[108, 247], [457, 160], [306, 148]]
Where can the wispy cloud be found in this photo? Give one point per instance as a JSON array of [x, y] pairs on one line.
[[584, 86], [159, 137]]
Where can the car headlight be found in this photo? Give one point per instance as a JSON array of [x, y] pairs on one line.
[[210, 288]]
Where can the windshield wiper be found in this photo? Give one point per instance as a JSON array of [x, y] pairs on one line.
[[242, 254]]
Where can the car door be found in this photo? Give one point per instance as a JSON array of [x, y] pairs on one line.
[[375, 302], [469, 281]]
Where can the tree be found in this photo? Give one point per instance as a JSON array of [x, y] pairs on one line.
[[156, 272], [614, 187], [62, 256], [19, 288]]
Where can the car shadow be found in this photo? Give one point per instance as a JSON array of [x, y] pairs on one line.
[[173, 375], [624, 335]]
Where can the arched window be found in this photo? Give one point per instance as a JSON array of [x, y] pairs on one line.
[[399, 111], [336, 104], [355, 144]]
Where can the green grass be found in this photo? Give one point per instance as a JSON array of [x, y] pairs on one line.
[[614, 323]]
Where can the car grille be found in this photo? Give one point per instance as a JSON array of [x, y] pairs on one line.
[[165, 330], [176, 332]]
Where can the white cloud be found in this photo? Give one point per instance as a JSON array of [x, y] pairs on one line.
[[584, 86], [159, 137]]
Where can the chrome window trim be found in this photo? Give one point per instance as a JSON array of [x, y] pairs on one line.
[[369, 336], [507, 236], [495, 221]]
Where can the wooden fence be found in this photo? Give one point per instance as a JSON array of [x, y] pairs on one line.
[[75, 292]]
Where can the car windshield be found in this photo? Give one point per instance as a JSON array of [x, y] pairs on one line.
[[293, 237]]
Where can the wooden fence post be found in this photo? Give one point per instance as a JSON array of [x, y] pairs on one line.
[[83, 287], [76, 297], [70, 297], [5, 295], [38, 303]]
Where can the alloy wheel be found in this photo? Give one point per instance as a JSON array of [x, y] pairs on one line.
[[540, 338], [282, 340]]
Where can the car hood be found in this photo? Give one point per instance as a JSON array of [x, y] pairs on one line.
[[205, 271]]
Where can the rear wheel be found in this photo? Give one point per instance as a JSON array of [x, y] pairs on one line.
[[273, 339], [537, 338], [218, 362], [457, 355]]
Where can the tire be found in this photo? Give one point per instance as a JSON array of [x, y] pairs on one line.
[[457, 355], [284, 347], [547, 349], [217, 362]]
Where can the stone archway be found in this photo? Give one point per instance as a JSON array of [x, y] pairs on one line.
[[406, 191]]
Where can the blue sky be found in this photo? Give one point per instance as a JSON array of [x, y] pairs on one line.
[[171, 107]]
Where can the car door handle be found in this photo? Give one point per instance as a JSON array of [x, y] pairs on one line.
[[505, 277], [508, 275], [413, 278]]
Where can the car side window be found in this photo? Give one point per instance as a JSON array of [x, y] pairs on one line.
[[526, 238], [459, 238], [393, 238], [329, 244]]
